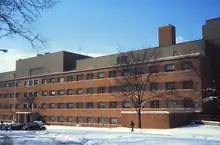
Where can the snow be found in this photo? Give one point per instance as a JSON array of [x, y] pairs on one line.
[[55, 135]]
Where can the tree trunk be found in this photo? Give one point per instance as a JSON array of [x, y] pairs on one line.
[[139, 117]]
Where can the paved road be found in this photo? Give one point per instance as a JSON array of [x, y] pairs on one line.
[[5, 140]]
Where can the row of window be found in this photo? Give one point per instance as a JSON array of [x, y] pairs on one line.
[[93, 90], [152, 69], [90, 105]]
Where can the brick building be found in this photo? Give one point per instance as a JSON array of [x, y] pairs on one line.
[[74, 89]]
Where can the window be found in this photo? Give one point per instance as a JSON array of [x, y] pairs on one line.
[[69, 78], [89, 105], [154, 86], [60, 92], [100, 75], [12, 95], [114, 121], [126, 104], [175, 53], [30, 82], [51, 118], [122, 60], [53, 80], [89, 76], [35, 94], [30, 94], [69, 105], [79, 91], [61, 80], [79, 77], [101, 120], [44, 81], [36, 82], [43, 106], [18, 106], [155, 104], [25, 83], [101, 104], [113, 89], [169, 67], [70, 92], [52, 93], [17, 84], [89, 90], [52, 106], [153, 69], [170, 86], [44, 93], [112, 74], [11, 106], [18, 95], [69, 119], [112, 104], [89, 120], [126, 72], [34, 105], [25, 95], [187, 65], [79, 105], [25, 106], [173, 104], [79, 120], [101, 90], [61, 119], [60, 105], [188, 85], [138, 71], [187, 103]]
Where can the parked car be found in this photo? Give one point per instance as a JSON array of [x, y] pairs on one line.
[[16, 126], [34, 126]]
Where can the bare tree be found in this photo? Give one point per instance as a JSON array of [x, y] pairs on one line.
[[16, 17], [134, 80]]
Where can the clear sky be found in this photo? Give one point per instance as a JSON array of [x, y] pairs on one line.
[[101, 26]]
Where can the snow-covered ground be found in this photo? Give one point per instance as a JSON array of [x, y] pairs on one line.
[[54, 135]]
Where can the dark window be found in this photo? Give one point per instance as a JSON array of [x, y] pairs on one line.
[[89, 76], [43, 106], [89, 120], [154, 86], [35, 94], [122, 60], [44, 81], [79, 91], [60, 92], [169, 67], [53, 80], [187, 103], [100, 75], [153, 69], [61, 119], [25, 83], [69, 119], [61, 79], [112, 74], [18, 95], [138, 71], [36, 82], [113, 89], [30, 94], [79, 105], [113, 120], [60, 105], [125, 72], [101, 104], [69, 78], [126, 104], [170, 86], [112, 104], [34, 105], [101, 90], [89, 90], [101, 120], [79, 120], [188, 85], [52, 106], [44, 93], [30, 82], [155, 104], [89, 105], [79, 77], [69, 105], [52, 93], [25, 95], [25, 106], [70, 92], [187, 65]]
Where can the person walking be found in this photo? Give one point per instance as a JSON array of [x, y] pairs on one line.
[[132, 124]]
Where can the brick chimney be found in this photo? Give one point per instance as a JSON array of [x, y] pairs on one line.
[[167, 35]]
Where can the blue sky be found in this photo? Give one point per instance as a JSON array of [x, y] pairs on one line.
[[100, 26]]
